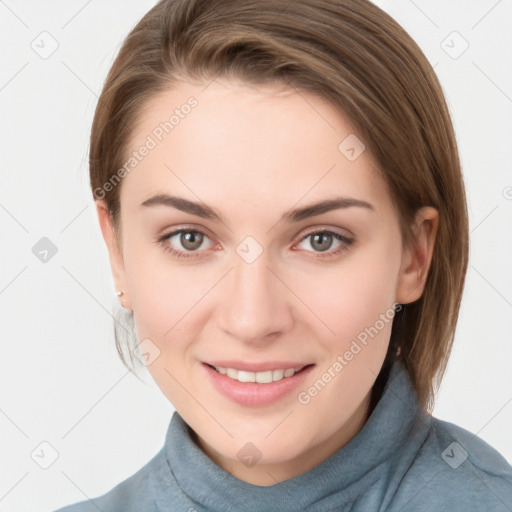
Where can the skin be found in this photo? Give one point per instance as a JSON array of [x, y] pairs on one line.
[[253, 153]]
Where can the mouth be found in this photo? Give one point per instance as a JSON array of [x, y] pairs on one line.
[[261, 377], [257, 389]]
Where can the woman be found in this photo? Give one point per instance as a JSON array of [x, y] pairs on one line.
[[280, 192]]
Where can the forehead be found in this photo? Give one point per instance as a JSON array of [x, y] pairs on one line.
[[228, 141]]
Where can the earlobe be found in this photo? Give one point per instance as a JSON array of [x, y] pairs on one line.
[[416, 260], [114, 251]]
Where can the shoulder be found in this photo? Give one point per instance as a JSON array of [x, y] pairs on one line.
[[133, 494], [456, 470]]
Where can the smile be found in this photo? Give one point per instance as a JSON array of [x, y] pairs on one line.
[[260, 377], [257, 388]]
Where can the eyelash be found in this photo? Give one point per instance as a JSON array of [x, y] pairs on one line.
[[346, 243]]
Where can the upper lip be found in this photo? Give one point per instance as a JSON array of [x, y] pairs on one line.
[[258, 367]]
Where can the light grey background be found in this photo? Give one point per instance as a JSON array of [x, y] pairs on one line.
[[60, 378]]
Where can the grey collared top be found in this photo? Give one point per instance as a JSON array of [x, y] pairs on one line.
[[402, 460]]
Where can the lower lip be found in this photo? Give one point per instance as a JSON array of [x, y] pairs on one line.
[[254, 394]]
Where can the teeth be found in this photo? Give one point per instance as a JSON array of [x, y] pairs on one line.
[[260, 377]]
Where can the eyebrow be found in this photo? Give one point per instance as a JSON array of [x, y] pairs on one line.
[[295, 215]]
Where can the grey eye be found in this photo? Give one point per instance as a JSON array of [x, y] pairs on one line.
[[191, 240], [321, 241]]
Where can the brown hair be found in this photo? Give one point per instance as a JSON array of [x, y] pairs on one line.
[[357, 57]]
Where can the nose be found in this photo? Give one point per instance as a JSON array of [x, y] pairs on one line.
[[255, 305]]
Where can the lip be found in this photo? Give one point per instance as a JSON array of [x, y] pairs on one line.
[[257, 367], [254, 394]]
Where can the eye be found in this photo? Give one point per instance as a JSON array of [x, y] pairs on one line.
[[183, 241], [322, 241], [186, 242]]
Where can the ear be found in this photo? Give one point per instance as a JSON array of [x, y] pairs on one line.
[[114, 251], [416, 259]]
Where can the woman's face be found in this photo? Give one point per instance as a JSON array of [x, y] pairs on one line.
[[256, 277]]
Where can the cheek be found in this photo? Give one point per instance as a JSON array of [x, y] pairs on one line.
[[340, 298], [352, 294], [164, 294], [167, 307], [355, 303]]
